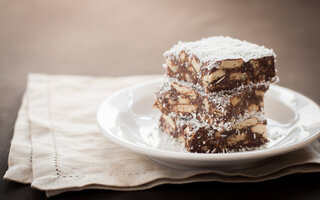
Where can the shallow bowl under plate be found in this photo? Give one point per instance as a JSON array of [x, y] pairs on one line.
[[127, 119]]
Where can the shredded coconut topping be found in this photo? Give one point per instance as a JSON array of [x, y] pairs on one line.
[[211, 50]]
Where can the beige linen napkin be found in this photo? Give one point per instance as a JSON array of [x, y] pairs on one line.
[[58, 147]]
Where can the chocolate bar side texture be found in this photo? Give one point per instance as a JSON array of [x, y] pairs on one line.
[[186, 102], [245, 135], [170, 126], [224, 141], [228, 74]]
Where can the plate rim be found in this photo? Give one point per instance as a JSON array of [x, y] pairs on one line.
[[233, 156]]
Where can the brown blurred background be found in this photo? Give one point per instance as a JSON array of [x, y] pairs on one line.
[[114, 38], [128, 37]]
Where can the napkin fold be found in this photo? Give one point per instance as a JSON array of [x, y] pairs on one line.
[[57, 145]]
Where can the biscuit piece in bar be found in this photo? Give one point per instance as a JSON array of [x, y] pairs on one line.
[[245, 134], [220, 63], [174, 96]]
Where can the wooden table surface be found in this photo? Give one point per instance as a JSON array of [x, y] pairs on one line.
[[115, 38]]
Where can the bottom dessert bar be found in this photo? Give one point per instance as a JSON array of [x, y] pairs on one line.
[[244, 135]]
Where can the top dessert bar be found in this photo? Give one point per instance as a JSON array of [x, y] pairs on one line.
[[220, 63]]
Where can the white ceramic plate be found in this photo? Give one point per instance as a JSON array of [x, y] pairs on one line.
[[127, 119]]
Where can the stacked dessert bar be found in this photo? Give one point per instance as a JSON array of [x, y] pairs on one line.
[[212, 98]]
